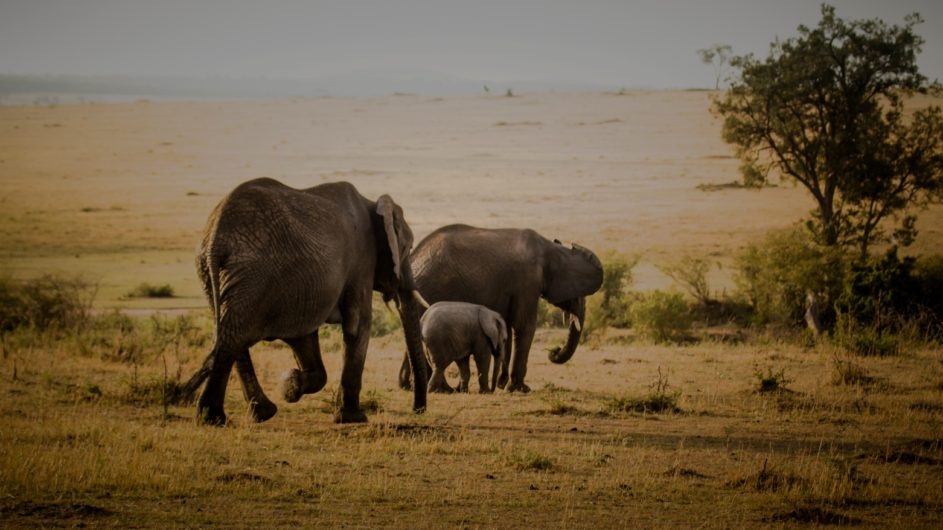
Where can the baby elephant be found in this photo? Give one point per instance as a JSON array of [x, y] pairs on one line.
[[455, 331]]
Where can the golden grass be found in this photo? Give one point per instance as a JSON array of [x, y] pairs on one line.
[[75, 448]]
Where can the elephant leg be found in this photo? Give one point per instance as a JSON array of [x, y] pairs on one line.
[[405, 372], [522, 341], [356, 315], [437, 382], [483, 364], [464, 372], [210, 407], [312, 377], [502, 367], [260, 407]]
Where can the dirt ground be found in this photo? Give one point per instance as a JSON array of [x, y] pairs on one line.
[[120, 193]]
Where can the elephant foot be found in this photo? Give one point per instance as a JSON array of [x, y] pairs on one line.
[[296, 383], [518, 387], [502, 380], [485, 390], [350, 416], [462, 388], [262, 410], [208, 415]]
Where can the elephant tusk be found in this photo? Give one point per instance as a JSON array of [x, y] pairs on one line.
[[420, 299], [575, 322]]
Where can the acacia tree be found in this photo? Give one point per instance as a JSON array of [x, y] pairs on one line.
[[826, 109], [716, 56]]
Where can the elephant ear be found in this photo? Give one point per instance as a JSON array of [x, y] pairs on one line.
[[492, 327], [574, 273], [398, 236]]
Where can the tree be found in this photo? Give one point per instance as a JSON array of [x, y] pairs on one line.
[[826, 109], [716, 55]]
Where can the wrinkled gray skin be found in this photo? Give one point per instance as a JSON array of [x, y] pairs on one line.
[[457, 331], [507, 270], [277, 263]]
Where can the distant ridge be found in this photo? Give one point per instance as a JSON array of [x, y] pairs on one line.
[[17, 88]]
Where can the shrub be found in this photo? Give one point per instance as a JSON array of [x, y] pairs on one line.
[[662, 316], [385, 320], [691, 274], [770, 381], [865, 340], [146, 290], [658, 400], [610, 306], [777, 274], [847, 372], [47, 302]]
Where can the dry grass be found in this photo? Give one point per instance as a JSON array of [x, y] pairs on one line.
[[78, 445]]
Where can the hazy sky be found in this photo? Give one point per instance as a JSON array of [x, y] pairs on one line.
[[621, 43]]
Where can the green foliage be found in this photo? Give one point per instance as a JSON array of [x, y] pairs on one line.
[[887, 299], [610, 305], [385, 320], [877, 290], [117, 337], [47, 302], [662, 316], [146, 290], [776, 275], [826, 109], [549, 316], [691, 274], [864, 339]]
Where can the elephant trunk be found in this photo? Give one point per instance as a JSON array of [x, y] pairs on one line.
[[409, 311], [562, 355]]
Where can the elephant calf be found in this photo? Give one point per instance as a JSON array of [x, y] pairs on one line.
[[456, 331]]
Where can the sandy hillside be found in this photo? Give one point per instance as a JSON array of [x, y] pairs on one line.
[[120, 192]]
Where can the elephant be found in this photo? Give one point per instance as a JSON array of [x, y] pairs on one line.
[[457, 331], [278, 262], [507, 270]]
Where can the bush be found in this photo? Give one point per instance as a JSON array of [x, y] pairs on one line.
[[662, 316], [658, 399], [610, 306], [771, 381], [385, 319], [146, 290], [776, 275], [47, 302]]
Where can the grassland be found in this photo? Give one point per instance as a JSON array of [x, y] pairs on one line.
[[119, 193]]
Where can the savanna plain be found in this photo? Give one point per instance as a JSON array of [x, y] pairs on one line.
[[732, 428]]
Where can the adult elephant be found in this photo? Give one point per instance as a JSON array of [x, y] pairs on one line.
[[278, 262], [508, 271]]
